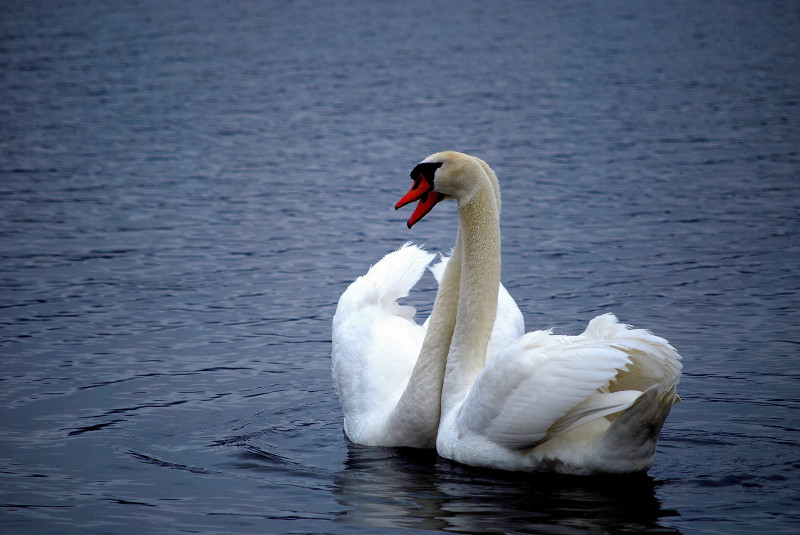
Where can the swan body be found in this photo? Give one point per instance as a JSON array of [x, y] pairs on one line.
[[376, 344], [593, 403]]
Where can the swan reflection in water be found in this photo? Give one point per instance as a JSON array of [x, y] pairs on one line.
[[393, 488]]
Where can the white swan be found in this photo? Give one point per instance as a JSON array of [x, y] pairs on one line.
[[571, 404], [389, 396]]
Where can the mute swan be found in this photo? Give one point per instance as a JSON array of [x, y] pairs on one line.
[[584, 404], [388, 388]]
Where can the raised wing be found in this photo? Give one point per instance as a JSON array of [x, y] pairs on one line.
[[375, 341]]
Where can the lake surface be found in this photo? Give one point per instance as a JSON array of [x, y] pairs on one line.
[[187, 188]]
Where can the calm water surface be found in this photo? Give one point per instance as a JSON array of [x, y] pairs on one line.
[[187, 187]]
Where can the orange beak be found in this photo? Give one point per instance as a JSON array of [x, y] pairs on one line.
[[423, 191]]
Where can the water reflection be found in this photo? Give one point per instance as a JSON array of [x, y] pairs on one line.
[[383, 488]]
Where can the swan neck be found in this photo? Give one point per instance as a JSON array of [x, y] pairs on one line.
[[418, 410], [479, 232]]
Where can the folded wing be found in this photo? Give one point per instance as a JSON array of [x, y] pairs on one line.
[[545, 385]]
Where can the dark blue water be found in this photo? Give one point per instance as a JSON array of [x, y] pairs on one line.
[[187, 188]]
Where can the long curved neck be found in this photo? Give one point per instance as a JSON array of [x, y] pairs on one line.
[[479, 232], [416, 415]]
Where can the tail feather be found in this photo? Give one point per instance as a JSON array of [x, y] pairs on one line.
[[631, 439]]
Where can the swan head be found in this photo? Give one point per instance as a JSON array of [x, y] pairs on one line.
[[445, 175]]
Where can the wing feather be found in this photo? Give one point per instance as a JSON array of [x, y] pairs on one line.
[[534, 384], [545, 385], [375, 341]]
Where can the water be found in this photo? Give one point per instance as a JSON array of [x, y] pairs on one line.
[[187, 188]]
